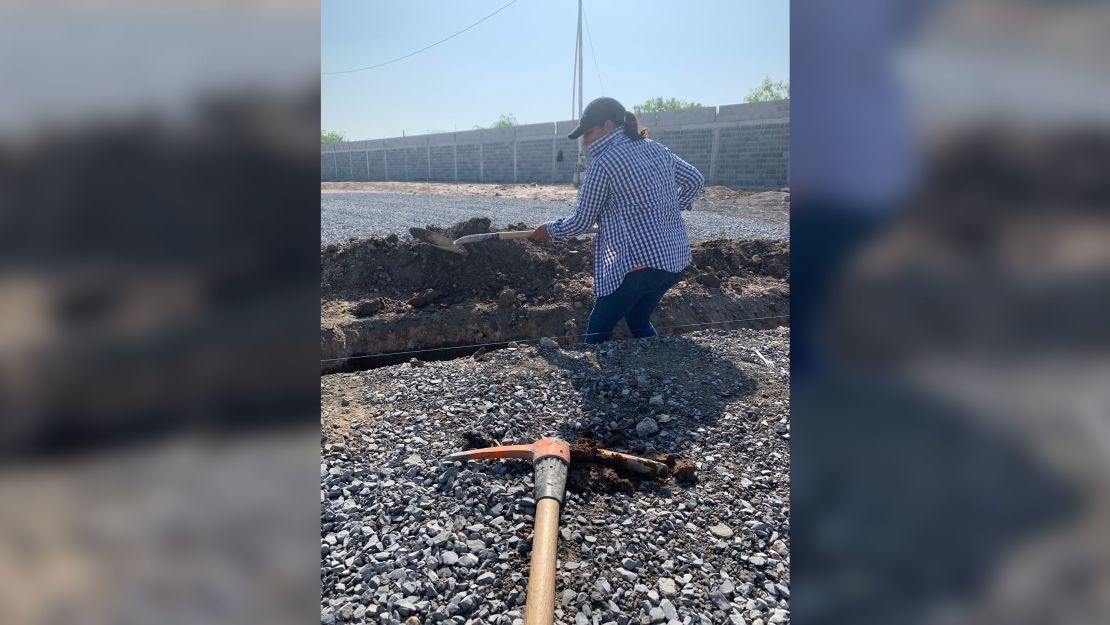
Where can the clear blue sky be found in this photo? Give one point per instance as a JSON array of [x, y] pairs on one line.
[[520, 61]]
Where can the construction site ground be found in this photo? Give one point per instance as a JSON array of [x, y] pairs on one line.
[[409, 538], [426, 352]]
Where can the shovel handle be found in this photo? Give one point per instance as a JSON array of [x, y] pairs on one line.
[[514, 234], [540, 606]]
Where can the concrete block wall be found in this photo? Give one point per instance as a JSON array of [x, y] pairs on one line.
[[739, 145]]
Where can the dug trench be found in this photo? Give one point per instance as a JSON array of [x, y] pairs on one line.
[[387, 300]]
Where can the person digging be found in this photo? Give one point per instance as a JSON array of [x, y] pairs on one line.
[[635, 190]]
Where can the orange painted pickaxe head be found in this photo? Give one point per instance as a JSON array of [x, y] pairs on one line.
[[550, 458]]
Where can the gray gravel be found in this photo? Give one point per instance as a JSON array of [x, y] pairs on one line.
[[360, 215], [408, 539]]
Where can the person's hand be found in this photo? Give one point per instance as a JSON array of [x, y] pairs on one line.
[[539, 234]]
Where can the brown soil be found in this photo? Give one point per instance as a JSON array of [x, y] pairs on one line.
[[685, 471], [385, 295]]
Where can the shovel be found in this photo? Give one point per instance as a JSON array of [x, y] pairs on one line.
[[503, 236]]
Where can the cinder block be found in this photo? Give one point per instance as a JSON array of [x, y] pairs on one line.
[[779, 109], [443, 138], [534, 131], [498, 135], [377, 165], [703, 115], [343, 166], [468, 137], [564, 128]]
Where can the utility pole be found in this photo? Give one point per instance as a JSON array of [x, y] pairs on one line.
[[580, 166]]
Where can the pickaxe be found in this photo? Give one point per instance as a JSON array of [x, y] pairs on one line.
[[551, 458]]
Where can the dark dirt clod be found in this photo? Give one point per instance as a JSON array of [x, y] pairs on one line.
[[589, 477], [476, 440], [589, 474], [685, 471], [367, 308]]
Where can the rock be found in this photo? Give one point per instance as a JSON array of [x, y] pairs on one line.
[[656, 400], [709, 280], [347, 611], [721, 531], [506, 298], [405, 607], [668, 610], [449, 558], [646, 427], [548, 343], [657, 615], [486, 578], [423, 298], [626, 575], [468, 560], [667, 587], [367, 308]]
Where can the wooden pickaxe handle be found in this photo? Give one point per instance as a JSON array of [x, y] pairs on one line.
[[550, 460], [540, 606]]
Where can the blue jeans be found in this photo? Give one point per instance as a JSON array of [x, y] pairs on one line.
[[634, 301]]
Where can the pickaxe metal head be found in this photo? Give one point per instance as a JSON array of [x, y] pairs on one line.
[[532, 452], [549, 456]]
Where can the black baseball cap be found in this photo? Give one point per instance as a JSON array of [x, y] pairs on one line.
[[597, 113]]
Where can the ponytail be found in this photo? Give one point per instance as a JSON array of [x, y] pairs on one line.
[[632, 128]]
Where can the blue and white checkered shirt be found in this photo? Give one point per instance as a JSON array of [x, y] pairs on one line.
[[635, 190]]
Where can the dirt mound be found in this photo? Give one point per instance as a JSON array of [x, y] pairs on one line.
[[392, 271], [387, 295]]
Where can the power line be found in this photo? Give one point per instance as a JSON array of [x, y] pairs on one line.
[[570, 336], [360, 69], [593, 50]]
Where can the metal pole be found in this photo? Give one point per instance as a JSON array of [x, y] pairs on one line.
[[580, 59], [580, 165], [574, 76]]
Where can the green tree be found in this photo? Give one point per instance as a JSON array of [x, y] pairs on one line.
[[329, 136], [768, 91], [656, 105], [505, 121]]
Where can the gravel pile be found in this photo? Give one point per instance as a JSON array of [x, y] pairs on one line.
[[407, 538], [360, 215]]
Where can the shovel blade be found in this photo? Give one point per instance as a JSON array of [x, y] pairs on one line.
[[435, 239]]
